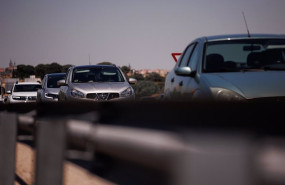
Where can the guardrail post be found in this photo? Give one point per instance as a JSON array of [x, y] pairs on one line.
[[50, 151], [8, 134]]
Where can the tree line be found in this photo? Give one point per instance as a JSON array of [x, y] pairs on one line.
[[24, 71]]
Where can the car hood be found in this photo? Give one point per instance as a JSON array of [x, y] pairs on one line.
[[24, 93], [99, 87], [250, 84], [52, 90]]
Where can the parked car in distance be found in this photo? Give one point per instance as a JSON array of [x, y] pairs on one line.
[[95, 83], [23, 92], [230, 67], [50, 89]]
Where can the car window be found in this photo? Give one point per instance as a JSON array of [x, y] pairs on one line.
[[237, 55], [26, 88], [67, 75], [97, 74], [186, 55], [52, 80], [194, 58]]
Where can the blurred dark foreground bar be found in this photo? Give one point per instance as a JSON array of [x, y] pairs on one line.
[[158, 142]]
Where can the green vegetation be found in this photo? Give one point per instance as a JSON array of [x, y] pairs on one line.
[[145, 88], [24, 71]]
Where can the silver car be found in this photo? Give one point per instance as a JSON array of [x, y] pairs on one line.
[[23, 92], [50, 89], [230, 67], [95, 83]]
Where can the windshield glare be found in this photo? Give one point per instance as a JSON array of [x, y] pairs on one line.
[[26, 88], [236, 55], [97, 74]]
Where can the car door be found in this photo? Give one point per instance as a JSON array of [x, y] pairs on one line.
[[40, 92], [64, 88], [179, 82], [189, 83]]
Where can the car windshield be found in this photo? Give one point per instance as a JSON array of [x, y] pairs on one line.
[[97, 74], [26, 88], [247, 54], [52, 80]]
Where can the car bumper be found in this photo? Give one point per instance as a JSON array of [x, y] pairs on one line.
[[128, 98]]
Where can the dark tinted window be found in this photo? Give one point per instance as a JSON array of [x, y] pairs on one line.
[[236, 55], [26, 88], [194, 58], [186, 56], [52, 80], [97, 74]]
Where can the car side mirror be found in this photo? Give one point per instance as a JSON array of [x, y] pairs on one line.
[[61, 83], [132, 81], [8, 92], [185, 71]]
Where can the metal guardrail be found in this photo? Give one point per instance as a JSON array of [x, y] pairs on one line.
[[172, 142], [8, 131]]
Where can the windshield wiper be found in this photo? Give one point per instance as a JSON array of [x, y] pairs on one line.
[[250, 69]]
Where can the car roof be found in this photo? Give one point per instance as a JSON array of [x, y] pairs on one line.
[[86, 66], [56, 74], [27, 83], [244, 36]]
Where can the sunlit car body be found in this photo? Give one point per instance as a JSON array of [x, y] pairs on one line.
[[95, 83], [23, 92], [230, 67], [50, 89]]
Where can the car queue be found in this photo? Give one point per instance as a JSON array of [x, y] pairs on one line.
[[80, 83], [224, 68]]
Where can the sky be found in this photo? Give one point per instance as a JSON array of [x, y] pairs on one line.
[[139, 33]]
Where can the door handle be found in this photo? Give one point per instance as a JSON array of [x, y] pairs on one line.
[[172, 80], [181, 83]]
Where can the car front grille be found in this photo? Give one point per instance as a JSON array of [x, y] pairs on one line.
[[102, 96], [32, 98], [24, 98]]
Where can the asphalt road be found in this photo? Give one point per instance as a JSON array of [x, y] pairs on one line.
[[73, 174]]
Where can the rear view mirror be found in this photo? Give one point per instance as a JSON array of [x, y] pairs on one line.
[[132, 81], [185, 71], [61, 83], [8, 92]]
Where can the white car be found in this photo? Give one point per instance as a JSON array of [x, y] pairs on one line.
[[23, 92]]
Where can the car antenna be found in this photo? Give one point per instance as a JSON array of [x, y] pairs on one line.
[[89, 59], [246, 25]]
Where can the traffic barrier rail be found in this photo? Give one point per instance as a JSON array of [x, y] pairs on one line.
[[179, 142]]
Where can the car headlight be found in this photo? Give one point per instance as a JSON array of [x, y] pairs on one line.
[[76, 94], [16, 97], [226, 95], [127, 92]]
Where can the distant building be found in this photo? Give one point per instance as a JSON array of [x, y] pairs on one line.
[[146, 72], [8, 71], [12, 66]]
